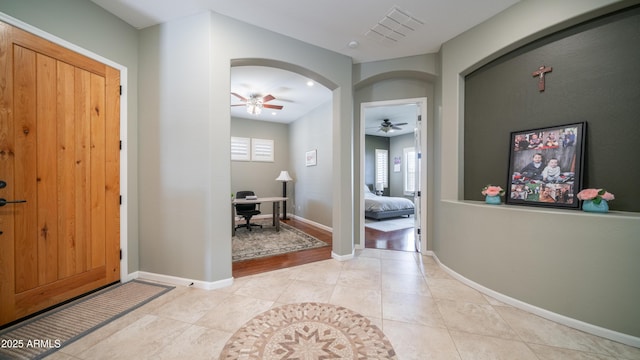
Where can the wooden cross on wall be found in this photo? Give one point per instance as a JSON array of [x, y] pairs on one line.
[[540, 75]]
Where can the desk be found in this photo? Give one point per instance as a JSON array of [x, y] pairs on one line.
[[276, 210]]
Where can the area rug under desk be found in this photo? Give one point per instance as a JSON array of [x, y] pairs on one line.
[[308, 331], [46, 333], [268, 242]]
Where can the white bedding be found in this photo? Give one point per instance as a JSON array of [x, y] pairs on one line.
[[373, 202]]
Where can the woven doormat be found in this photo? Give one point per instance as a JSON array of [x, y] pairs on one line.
[[46, 333]]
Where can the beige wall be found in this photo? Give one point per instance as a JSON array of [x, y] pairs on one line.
[[312, 188], [185, 150]]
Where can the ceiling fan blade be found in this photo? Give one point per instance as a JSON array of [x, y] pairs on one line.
[[238, 104], [396, 128], [269, 106], [268, 98], [239, 96], [401, 124]]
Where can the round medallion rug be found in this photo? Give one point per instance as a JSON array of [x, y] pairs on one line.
[[308, 331]]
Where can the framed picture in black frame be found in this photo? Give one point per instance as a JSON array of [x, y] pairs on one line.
[[545, 166]]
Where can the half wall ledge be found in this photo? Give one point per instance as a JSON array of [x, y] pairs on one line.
[[572, 264]]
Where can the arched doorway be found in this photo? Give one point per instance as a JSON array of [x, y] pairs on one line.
[[296, 116]]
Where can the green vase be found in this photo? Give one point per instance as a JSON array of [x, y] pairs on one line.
[[493, 199], [590, 206]]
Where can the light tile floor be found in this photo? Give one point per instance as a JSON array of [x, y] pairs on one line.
[[424, 312]]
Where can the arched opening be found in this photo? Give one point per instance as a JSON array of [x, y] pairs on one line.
[[296, 118]]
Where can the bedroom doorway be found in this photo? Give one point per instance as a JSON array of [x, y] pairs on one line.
[[396, 126]]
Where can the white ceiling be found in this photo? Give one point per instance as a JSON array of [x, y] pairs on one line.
[[397, 114], [330, 24], [289, 89]]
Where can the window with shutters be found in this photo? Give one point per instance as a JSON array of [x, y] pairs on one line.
[[240, 148], [382, 167], [409, 155], [262, 150], [248, 149]]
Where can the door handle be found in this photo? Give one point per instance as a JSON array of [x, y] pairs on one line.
[[4, 202]]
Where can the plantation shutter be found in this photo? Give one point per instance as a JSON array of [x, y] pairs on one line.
[[382, 167], [240, 148]]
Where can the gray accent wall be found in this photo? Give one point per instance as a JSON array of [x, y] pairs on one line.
[[595, 79], [588, 270], [395, 145], [372, 143]]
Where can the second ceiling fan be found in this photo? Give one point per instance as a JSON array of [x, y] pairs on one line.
[[387, 126], [255, 103]]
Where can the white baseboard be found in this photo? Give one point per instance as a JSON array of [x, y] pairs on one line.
[[549, 315], [333, 255], [323, 227], [174, 280], [299, 218], [342, 257]]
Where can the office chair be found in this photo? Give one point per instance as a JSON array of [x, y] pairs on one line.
[[247, 211]]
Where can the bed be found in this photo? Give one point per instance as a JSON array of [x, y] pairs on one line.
[[384, 207]]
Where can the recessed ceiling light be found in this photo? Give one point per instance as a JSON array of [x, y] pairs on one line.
[[309, 83], [353, 44]]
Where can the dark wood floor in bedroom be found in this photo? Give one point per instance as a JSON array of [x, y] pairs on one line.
[[402, 240], [393, 240]]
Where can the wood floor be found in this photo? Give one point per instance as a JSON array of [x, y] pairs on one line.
[[402, 240], [394, 240]]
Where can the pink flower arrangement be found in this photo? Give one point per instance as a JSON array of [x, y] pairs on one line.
[[492, 190], [597, 195]]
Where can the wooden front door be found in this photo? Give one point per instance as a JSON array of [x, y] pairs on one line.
[[59, 152]]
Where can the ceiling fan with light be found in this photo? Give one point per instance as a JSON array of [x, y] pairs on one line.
[[387, 126], [255, 103]]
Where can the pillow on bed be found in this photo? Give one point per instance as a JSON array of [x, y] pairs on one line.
[[366, 189]]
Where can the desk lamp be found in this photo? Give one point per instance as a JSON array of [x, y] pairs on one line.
[[284, 177]]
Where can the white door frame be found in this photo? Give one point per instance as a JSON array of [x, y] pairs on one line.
[[422, 104]]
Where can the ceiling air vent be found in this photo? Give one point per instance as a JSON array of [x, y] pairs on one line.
[[394, 26]]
